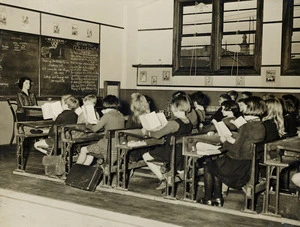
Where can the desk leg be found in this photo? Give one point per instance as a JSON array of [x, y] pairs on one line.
[[278, 170], [20, 153], [190, 178], [121, 169], [266, 202]]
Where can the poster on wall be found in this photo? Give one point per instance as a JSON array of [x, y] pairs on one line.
[[270, 75]]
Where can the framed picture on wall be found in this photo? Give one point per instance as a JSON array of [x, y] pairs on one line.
[[3, 18], [56, 28], [143, 76], [166, 75], [270, 75], [74, 29], [89, 33], [154, 80]]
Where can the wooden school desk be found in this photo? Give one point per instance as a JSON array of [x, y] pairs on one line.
[[24, 132], [191, 156], [124, 146], [33, 111], [278, 155]]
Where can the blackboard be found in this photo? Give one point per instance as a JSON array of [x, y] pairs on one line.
[[19, 56], [69, 67]]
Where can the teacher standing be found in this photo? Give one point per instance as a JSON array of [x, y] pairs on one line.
[[24, 97]]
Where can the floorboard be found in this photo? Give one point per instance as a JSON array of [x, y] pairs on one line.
[[141, 205]]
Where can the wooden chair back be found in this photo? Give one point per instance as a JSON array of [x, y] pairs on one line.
[[12, 106]]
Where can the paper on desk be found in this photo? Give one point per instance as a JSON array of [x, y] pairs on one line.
[[207, 149], [136, 143]]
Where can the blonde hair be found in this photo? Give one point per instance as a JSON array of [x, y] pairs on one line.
[[91, 98], [181, 103], [70, 101], [275, 112], [139, 106]]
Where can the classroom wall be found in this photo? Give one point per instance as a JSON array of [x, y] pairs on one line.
[[136, 32], [155, 47]]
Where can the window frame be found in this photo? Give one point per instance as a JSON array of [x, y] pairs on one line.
[[216, 40], [287, 32]]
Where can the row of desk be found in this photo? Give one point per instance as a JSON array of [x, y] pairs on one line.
[[277, 155]]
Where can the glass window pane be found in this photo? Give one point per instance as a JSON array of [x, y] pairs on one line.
[[196, 36], [238, 42]]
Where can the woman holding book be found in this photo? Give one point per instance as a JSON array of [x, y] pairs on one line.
[[177, 126], [68, 116], [233, 167]]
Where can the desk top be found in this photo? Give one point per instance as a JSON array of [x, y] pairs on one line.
[[36, 124], [33, 107], [125, 138], [290, 144], [189, 144]]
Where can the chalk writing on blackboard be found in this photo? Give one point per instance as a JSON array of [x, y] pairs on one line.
[[69, 67]]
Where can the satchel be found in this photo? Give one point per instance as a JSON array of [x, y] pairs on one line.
[[54, 165]]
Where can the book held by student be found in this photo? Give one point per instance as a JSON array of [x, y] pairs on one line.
[[153, 121], [51, 109]]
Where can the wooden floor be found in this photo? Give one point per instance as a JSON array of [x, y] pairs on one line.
[[141, 205]]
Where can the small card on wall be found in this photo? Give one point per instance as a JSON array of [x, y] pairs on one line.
[[154, 80], [240, 81], [208, 81], [270, 75]]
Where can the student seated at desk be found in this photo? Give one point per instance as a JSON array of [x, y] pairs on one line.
[[177, 126], [111, 119], [139, 105], [89, 100], [230, 111], [68, 116], [191, 112], [296, 179], [233, 167], [200, 102], [218, 116]]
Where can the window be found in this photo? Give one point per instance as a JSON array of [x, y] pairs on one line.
[[217, 37], [291, 38]]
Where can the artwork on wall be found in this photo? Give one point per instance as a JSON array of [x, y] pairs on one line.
[[3, 18], [89, 33], [270, 75], [154, 80], [166, 75], [240, 81], [143, 76], [56, 28], [74, 29], [208, 81], [25, 21]]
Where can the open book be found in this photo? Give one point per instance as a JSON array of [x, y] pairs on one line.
[[222, 129], [90, 114], [207, 149], [153, 121], [51, 109], [239, 121]]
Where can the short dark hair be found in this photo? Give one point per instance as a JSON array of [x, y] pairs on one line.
[[200, 98], [225, 96], [234, 94], [22, 80], [111, 101]]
